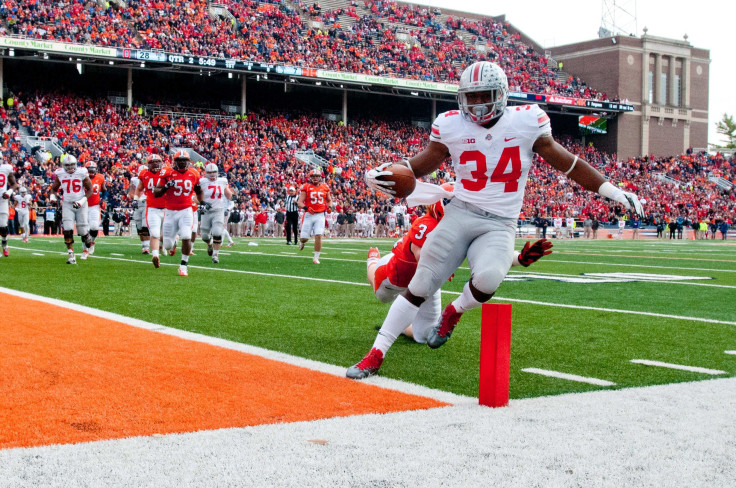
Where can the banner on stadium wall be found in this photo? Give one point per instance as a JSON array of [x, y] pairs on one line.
[[237, 64], [58, 47], [382, 80]]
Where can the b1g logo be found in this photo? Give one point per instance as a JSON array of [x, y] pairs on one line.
[[468, 141]]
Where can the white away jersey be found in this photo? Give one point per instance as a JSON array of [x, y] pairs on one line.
[[71, 184], [22, 203], [214, 191], [491, 165], [5, 171]]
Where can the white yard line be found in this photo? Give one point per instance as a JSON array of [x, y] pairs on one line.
[[730, 352], [694, 369], [498, 298], [571, 377]]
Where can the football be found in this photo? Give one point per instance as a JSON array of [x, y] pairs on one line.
[[403, 178]]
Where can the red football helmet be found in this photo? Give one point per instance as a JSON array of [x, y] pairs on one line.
[[437, 209]]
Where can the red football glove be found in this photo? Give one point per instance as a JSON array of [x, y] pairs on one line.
[[532, 253]]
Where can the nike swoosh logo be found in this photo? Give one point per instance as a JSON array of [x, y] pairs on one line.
[[507, 139]]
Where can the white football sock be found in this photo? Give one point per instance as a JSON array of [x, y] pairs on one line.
[[400, 315], [466, 301]]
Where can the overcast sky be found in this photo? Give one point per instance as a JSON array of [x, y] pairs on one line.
[[709, 24]]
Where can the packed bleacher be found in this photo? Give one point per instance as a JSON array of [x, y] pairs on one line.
[[257, 153], [381, 38]]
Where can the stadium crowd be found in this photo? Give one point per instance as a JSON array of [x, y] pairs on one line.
[[257, 153], [383, 37]]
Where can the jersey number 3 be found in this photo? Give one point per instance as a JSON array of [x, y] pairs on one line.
[[500, 174]]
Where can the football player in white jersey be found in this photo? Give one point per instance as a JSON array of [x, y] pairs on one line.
[[75, 186], [139, 210], [8, 185], [217, 194], [492, 147], [23, 206]]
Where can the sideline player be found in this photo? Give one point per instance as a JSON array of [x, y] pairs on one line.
[[390, 275], [314, 198], [22, 206], [180, 185], [491, 146], [138, 200], [217, 195], [93, 212], [153, 213], [76, 188], [8, 185]]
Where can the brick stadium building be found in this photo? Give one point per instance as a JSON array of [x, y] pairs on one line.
[[665, 79]]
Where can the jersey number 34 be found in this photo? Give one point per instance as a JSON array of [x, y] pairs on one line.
[[500, 175]]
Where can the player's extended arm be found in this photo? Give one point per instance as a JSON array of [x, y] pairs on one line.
[[421, 164], [55, 186], [88, 190], [12, 187], [198, 193], [302, 199], [429, 159], [579, 170], [228, 193], [161, 189]]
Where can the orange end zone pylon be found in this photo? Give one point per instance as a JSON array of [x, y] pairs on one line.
[[495, 354]]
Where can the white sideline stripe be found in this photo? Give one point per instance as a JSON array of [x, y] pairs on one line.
[[628, 265], [694, 369], [37, 254], [571, 377], [116, 254], [519, 300], [730, 352], [611, 310], [332, 369]]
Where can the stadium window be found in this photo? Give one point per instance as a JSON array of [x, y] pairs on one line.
[[678, 91], [650, 81], [663, 96]]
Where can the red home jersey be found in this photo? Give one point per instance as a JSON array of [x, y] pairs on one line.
[[150, 180], [403, 264], [179, 196], [316, 197], [98, 181]]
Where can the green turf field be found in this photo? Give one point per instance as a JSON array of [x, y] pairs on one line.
[[676, 303]]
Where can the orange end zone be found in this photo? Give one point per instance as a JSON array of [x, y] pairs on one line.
[[69, 377]]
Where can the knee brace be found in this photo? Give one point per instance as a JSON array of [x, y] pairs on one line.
[[206, 238], [143, 232], [216, 239], [93, 234], [68, 237], [4, 232]]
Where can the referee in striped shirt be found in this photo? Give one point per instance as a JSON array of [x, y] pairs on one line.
[[292, 215]]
